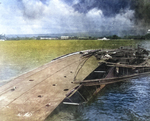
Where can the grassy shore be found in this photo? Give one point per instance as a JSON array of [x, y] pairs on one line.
[[24, 55], [46, 50]]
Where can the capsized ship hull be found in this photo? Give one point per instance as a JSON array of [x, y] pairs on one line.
[[114, 66], [71, 79]]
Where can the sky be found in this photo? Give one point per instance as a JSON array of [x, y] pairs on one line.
[[109, 17]]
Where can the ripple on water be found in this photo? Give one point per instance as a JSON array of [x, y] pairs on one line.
[[125, 101], [121, 101]]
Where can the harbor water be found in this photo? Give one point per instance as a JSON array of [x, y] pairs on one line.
[[123, 101]]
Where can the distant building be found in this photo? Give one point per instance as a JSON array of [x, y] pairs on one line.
[[104, 38], [64, 37], [2, 37], [83, 38], [47, 38]]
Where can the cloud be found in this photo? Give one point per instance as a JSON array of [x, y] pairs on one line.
[[109, 8], [142, 16], [95, 12], [62, 16]]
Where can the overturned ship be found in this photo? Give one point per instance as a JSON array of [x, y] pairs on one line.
[[69, 79], [112, 66]]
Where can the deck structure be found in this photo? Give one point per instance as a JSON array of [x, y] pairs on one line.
[[34, 95]]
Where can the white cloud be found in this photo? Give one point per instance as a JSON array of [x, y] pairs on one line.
[[95, 13], [33, 17]]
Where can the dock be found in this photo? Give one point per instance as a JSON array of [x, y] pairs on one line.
[[34, 95]]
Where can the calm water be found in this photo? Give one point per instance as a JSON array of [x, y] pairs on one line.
[[125, 101]]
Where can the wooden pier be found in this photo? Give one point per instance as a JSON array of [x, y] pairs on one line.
[[34, 95]]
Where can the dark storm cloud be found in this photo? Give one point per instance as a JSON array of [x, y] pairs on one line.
[[113, 7], [142, 11], [109, 7]]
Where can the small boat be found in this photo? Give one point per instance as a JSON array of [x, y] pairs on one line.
[[113, 66]]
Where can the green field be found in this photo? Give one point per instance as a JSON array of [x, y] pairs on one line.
[[17, 57]]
